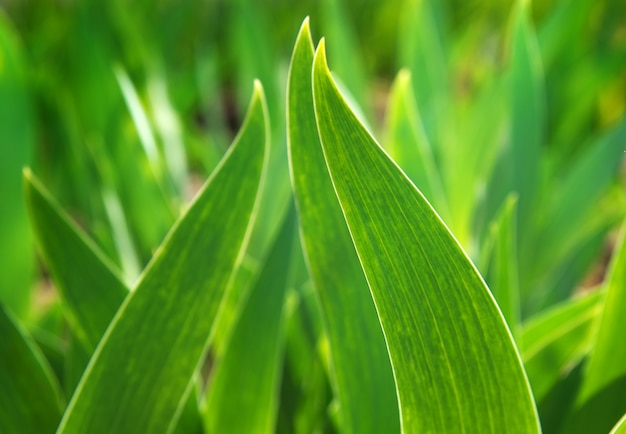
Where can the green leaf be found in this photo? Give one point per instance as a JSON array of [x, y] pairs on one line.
[[454, 361], [408, 145], [169, 316], [500, 263], [605, 375], [346, 54], [30, 400], [566, 21], [620, 427], [573, 213], [527, 117], [362, 376], [423, 50], [556, 339], [92, 293], [242, 395], [17, 139]]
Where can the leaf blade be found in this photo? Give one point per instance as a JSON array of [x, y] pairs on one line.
[[245, 380], [441, 381], [30, 401], [170, 314], [363, 379]]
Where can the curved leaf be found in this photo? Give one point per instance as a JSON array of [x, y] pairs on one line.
[[620, 427], [409, 146], [30, 399], [557, 339], [454, 360], [500, 263], [17, 139], [92, 293], [600, 401], [242, 396], [527, 117], [363, 381], [169, 317]]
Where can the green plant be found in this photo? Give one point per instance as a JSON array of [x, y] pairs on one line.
[[373, 319]]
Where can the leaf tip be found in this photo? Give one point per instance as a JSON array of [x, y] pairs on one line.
[[320, 63], [27, 173], [258, 89], [305, 27]]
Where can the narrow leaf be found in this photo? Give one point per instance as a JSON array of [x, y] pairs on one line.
[[527, 117], [574, 203], [30, 399], [169, 316], [409, 146], [500, 263], [243, 389], [423, 50], [620, 427], [92, 293], [362, 376], [17, 140], [555, 340], [600, 402], [454, 361]]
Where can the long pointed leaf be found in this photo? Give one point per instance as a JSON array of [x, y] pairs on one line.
[[363, 380], [29, 399], [92, 294], [409, 146], [557, 339], [243, 390], [527, 117], [169, 317], [454, 361], [500, 264], [600, 402], [17, 139]]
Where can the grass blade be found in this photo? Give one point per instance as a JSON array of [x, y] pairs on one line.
[[408, 145], [170, 314], [90, 297], [454, 361], [17, 140], [243, 390], [573, 212], [527, 117], [424, 51], [557, 339], [363, 380], [599, 404], [30, 401], [500, 264]]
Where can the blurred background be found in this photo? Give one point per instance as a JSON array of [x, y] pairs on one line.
[[123, 108]]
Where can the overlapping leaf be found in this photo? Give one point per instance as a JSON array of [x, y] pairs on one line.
[[362, 374], [454, 361], [600, 402], [169, 316], [409, 146], [500, 263], [555, 340], [30, 401], [92, 294], [243, 389]]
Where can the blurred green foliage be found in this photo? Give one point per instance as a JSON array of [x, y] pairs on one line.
[[122, 108]]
